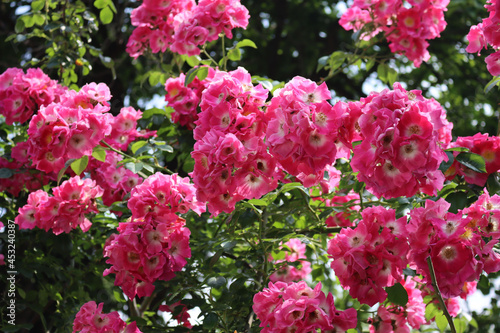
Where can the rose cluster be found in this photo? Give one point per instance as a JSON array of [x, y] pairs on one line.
[[407, 25], [302, 131], [460, 245], [154, 244], [183, 25], [21, 94], [482, 144], [350, 204], [70, 128], [63, 211], [115, 180], [288, 273], [401, 147], [487, 33], [231, 158], [295, 307], [371, 256], [124, 128], [393, 318], [90, 319], [146, 250], [23, 176], [185, 99]]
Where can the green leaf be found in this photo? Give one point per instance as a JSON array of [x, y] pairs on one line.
[[100, 4], [99, 153], [382, 72], [106, 15], [166, 148], [210, 321], [458, 200], [493, 184], [336, 60], [20, 26], [216, 281], [369, 64], [460, 324], [134, 167], [473, 161], [234, 54], [39, 19], [457, 149], [494, 82], [258, 202], [80, 164], [431, 310], [246, 43], [193, 61], [441, 321], [392, 75], [155, 77], [6, 173], [397, 294], [202, 73], [137, 145], [322, 62], [37, 5], [29, 21], [190, 75], [445, 165]]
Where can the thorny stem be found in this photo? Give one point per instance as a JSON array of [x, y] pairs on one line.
[[439, 296]]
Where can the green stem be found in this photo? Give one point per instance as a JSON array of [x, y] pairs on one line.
[[439, 296], [224, 64], [208, 56], [309, 208], [156, 166]]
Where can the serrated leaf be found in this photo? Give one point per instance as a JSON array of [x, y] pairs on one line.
[[246, 43], [106, 15], [149, 168], [473, 161], [137, 145], [6, 173], [80, 164], [397, 294], [99, 153]]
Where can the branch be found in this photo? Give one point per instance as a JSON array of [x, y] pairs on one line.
[[439, 296]]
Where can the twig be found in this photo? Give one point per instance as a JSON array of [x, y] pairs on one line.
[[439, 296]]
